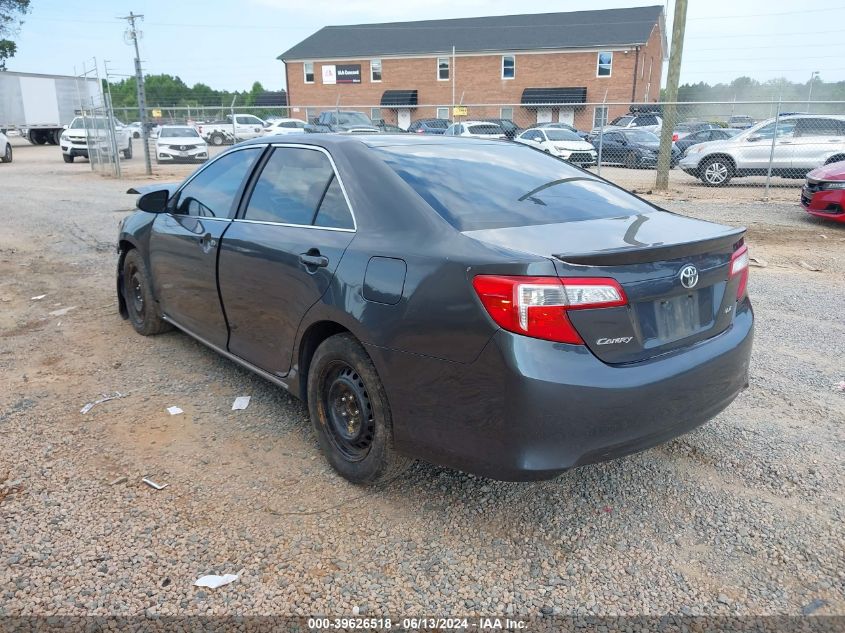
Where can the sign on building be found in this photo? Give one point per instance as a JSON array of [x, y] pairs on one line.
[[349, 73], [156, 113], [329, 76], [459, 111]]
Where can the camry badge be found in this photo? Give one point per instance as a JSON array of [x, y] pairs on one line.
[[689, 276]]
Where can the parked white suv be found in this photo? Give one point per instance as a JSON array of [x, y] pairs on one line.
[[92, 133], [801, 143], [5, 149], [649, 122]]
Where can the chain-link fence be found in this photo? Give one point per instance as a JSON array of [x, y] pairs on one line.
[[740, 145]]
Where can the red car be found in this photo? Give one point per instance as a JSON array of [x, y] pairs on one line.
[[823, 194]]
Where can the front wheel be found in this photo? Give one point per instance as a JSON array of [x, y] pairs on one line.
[[7, 155], [351, 414], [137, 294], [715, 171], [68, 158], [631, 160], [127, 153]]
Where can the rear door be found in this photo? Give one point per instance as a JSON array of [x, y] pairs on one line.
[[814, 141], [279, 256], [184, 244]]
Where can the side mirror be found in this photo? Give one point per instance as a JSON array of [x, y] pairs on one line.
[[753, 138], [154, 201], [64, 127]]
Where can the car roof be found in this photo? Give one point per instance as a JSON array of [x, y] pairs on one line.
[[329, 141]]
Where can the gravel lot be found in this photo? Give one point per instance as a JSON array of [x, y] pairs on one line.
[[743, 516]]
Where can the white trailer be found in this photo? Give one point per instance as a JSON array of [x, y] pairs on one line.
[[39, 106]]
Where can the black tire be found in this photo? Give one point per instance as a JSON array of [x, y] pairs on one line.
[[143, 311], [68, 157], [631, 160], [7, 154], [217, 139], [136, 135], [127, 153], [715, 171], [355, 435]]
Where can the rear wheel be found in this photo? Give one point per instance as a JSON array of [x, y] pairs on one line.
[[127, 153], [140, 304], [631, 160], [217, 139], [7, 154], [351, 414], [715, 171]]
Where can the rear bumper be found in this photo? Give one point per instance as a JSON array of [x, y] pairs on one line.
[[530, 409]]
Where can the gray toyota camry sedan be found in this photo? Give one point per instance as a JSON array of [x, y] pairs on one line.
[[474, 303]]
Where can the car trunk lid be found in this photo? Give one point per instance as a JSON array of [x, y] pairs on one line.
[[646, 254]]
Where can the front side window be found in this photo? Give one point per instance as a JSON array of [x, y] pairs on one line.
[[600, 116], [442, 113], [508, 67], [442, 68], [785, 128], [294, 184], [308, 70], [506, 113], [604, 64], [212, 192], [375, 70]]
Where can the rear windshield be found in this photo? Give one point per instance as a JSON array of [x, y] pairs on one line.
[[489, 186], [485, 128], [562, 135], [622, 120], [641, 136]]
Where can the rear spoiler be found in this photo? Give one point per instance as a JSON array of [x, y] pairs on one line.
[[654, 252], [142, 189]]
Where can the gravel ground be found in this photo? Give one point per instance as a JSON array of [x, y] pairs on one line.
[[743, 516]]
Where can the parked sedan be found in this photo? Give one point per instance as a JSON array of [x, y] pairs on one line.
[[823, 194], [562, 143], [5, 149], [180, 144], [478, 129], [633, 149], [564, 126], [511, 129], [702, 136], [517, 318], [429, 126]]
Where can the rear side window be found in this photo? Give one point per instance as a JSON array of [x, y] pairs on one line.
[[818, 127], [485, 129], [294, 184], [493, 185], [211, 193]]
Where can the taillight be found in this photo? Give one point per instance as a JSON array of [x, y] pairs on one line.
[[420, 131], [674, 137], [739, 268], [537, 306]]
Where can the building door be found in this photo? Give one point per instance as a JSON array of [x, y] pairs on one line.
[[544, 115], [404, 119], [566, 115]]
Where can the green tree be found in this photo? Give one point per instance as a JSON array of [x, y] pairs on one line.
[[11, 12]]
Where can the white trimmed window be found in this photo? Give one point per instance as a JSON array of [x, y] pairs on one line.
[[508, 67], [604, 64], [375, 70], [506, 113], [599, 116], [308, 72], [443, 113], [442, 69]]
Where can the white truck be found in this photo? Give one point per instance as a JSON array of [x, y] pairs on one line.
[[39, 106], [87, 135], [221, 132]]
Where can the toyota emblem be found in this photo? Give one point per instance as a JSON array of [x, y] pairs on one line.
[[689, 276]]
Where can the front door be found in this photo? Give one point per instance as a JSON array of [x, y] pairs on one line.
[[566, 115], [404, 119], [544, 115], [184, 245], [756, 148], [279, 256]]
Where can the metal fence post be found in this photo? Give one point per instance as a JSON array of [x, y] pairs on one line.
[[772, 153], [601, 132]]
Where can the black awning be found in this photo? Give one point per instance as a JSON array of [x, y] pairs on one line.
[[399, 99], [540, 96]]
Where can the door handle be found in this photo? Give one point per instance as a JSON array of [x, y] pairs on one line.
[[313, 259], [207, 243]]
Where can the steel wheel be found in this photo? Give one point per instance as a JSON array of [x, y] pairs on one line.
[[349, 411], [7, 155], [135, 295]]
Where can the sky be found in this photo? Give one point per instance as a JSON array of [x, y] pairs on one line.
[[229, 45]]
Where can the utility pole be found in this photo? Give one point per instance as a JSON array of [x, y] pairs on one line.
[[132, 34], [670, 108], [813, 78]]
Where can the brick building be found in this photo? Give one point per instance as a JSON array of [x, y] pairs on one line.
[[529, 68]]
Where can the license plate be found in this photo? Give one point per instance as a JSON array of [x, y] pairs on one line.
[[677, 317], [183, 153]]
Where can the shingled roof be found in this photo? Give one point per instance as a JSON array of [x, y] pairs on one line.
[[577, 29]]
